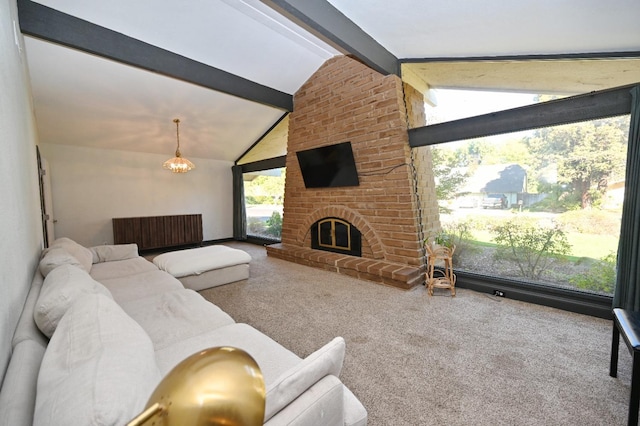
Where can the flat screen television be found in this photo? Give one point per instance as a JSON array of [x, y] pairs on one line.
[[328, 166]]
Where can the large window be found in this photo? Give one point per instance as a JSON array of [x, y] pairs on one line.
[[264, 197], [540, 206]]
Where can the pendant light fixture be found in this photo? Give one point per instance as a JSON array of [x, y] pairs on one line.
[[178, 164]]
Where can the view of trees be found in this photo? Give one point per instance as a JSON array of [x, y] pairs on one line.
[[264, 197], [567, 238], [265, 189], [587, 155]]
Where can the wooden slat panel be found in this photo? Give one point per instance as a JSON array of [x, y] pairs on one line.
[[126, 230], [154, 232]]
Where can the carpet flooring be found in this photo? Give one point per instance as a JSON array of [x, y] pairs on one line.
[[415, 359]]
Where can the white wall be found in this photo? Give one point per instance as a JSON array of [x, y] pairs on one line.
[[91, 186], [21, 235]]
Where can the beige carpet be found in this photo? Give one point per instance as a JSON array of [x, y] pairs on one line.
[[419, 360]]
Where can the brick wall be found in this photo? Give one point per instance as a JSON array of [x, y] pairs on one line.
[[423, 166], [347, 101]]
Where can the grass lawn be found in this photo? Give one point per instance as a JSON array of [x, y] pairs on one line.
[[582, 245]]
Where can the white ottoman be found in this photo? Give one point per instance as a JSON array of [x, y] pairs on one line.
[[205, 267]]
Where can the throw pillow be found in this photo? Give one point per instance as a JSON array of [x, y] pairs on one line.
[[293, 382], [60, 289], [113, 252], [99, 367], [83, 254], [54, 257]]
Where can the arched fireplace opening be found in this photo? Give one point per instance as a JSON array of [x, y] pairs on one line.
[[337, 236]]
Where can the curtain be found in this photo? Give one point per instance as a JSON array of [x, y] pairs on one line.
[[239, 212], [627, 291]]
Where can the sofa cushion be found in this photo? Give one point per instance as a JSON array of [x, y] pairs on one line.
[[141, 285], [54, 257], [272, 358], [113, 252], [121, 268], [99, 367], [81, 253], [293, 382], [173, 316], [181, 263], [61, 288]]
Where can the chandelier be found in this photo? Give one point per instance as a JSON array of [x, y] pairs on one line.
[[178, 164]]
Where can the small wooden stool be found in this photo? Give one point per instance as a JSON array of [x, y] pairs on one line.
[[440, 278], [627, 323]]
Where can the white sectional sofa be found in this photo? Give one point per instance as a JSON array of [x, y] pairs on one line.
[[102, 326]]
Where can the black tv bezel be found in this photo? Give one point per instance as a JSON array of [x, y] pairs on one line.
[[346, 163]]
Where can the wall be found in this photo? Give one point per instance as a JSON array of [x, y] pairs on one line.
[[91, 186], [422, 159], [347, 101], [21, 240]]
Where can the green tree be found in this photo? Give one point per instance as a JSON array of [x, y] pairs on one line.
[[265, 189], [587, 155], [513, 151], [447, 174], [478, 151]]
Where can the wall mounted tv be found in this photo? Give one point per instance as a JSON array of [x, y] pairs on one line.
[[328, 166]]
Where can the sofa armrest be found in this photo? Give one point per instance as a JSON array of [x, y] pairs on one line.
[[18, 394], [297, 379], [321, 404], [26, 329]]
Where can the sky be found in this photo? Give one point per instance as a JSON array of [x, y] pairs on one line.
[[456, 104]]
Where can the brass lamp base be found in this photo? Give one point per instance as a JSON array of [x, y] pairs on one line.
[[216, 386]]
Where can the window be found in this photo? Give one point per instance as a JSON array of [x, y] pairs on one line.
[[264, 196], [572, 178], [542, 206]]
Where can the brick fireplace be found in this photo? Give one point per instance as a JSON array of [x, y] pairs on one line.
[[345, 101]]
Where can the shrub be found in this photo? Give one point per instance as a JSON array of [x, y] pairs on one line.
[[531, 246], [601, 276], [591, 221], [255, 226], [456, 234], [274, 225]]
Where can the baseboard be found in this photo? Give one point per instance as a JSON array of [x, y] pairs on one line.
[[569, 300]]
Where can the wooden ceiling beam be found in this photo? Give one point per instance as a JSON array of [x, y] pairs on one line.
[[588, 106], [322, 19], [48, 24]]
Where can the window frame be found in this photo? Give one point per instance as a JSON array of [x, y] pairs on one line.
[[258, 166], [590, 106]]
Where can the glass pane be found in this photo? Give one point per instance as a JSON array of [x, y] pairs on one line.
[[458, 104], [540, 206], [342, 235], [326, 236], [264, 196]]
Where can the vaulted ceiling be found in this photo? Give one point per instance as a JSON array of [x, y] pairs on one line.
[[113, 75]]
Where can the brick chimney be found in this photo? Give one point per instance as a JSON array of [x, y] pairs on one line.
[[347, 101]]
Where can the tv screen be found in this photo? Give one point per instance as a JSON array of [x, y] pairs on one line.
[[328, 166]]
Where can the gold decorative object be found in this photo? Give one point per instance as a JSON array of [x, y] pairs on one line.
[[178, 164], [441, 278], [216, 386]]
